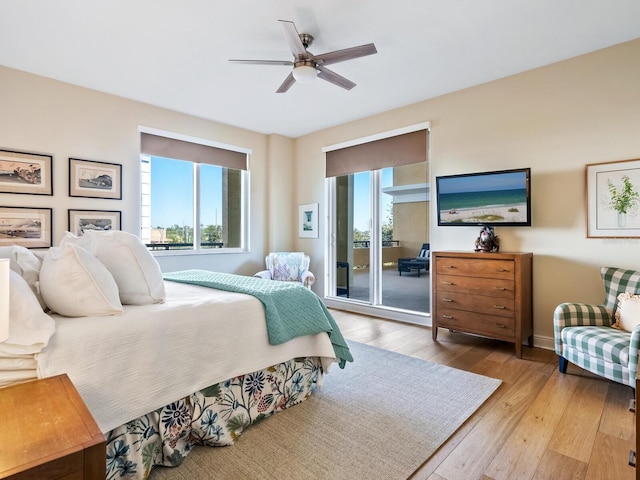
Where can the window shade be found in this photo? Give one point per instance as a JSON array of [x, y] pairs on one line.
[[194, 152], [396, 151]]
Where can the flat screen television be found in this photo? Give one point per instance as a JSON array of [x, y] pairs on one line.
[[499, 198]]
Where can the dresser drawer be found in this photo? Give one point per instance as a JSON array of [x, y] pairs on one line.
[[487, 294], [502, 328], [475, 267], [492, 287], [503, 307]]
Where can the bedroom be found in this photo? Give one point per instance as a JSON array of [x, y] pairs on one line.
[[555, 119]]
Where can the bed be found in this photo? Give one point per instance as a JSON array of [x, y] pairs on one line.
[[194, 357]]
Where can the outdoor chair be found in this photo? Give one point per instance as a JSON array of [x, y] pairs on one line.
[[584, 334], [288, 267], [421, 262]]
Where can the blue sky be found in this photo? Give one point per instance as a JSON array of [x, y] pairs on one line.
[[175, 208], [176, 176], [362, 197]]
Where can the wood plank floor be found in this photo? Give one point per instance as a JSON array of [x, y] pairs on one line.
[[538, 425]]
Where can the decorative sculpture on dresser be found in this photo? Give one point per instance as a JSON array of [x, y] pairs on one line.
[[487, 241]]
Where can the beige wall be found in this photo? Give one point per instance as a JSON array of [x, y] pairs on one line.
[[46, 116], [554, 119]]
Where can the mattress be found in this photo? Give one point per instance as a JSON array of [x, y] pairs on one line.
[[127, 365]]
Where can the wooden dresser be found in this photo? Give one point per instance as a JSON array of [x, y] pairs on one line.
[[46, 432], [488, 294]]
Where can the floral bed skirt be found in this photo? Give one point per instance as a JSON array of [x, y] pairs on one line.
[[215, 416]]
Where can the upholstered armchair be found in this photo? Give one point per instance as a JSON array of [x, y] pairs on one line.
[[584, 335], [288, 267]]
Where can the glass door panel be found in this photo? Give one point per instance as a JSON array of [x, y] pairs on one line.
[[353, 220], [379, 218], [404, 229]]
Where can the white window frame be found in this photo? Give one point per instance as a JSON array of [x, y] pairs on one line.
[[145, 186]]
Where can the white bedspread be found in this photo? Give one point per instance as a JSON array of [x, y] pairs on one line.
[[129, 365]]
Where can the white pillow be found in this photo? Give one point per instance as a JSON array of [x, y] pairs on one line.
[[628, 312], [29, 327], [133, 267], [75, 284], [24, 262]]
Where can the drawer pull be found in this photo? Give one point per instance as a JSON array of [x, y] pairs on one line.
[[502, 289], [448, 266], [447, 283], [501, 325], [447, 299], [499, 307], [501, 270], [447, 316]]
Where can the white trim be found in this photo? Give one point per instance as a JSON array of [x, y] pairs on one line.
[[191, 139], [380, 311], [418, 192], [546, 343], [378, 136]]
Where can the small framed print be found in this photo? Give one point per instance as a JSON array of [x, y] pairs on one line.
[[27, 227], [102, 220], [613, 199], [88, 178], [308, 220], [22, 172]]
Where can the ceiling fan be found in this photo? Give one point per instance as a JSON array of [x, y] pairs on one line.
[[307, 66]]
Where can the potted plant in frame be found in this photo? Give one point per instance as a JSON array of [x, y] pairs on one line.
[[623, 200]]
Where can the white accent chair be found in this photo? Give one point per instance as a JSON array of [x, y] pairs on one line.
[[288, 267]]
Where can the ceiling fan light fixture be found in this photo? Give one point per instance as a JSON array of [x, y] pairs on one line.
[[305, 72]]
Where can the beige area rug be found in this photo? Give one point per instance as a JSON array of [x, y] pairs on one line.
[[381, 417]]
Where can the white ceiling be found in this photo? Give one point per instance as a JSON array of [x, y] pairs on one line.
[[174, 54]]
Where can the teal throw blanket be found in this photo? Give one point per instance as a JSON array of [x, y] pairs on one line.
[[291, 309]]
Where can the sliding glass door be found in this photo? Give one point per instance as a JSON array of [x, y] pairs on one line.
[[377, 219], [377, 200]]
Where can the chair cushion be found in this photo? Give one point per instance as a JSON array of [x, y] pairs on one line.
[[606, 343], [287, 266], [628, 312], [617, 281]]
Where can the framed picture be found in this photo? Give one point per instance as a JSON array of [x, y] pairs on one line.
[[22, 172], [613, 199], [103, 220], [308, 221], [28, 227], [88, 178]]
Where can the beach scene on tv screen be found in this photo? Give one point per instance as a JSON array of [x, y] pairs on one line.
[[479, 199]]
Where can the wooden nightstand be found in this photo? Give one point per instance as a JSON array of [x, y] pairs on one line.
[[46, 432]]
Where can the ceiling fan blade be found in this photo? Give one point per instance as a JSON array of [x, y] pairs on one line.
[[286, 85], [333, 77], [262, 62], [293, 39], [330, 58]]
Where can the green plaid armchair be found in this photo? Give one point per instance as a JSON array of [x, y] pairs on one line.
[[584, 337]]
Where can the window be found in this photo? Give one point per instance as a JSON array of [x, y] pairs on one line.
[[189, 201]]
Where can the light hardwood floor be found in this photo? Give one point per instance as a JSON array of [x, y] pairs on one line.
[[538, 425]]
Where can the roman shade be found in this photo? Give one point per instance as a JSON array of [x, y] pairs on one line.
[[194, 152], [396, 151]]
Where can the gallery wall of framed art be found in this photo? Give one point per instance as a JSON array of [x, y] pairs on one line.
[[27, 173]]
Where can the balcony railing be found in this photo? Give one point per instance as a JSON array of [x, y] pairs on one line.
[[385, 243], [182, 246]]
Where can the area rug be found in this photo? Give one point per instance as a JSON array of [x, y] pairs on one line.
[[382, 416]]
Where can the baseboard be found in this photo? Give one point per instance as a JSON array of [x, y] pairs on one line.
[[547, 343], [539, 341]]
